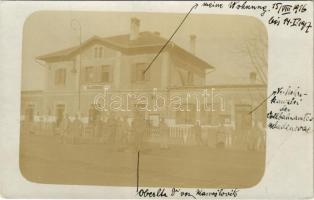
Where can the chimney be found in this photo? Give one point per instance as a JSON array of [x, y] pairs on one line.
[[192, 43], [252, 77], [157, 33], [135, 28]]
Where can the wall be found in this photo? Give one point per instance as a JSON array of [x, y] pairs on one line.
[[70, 83], [127, 65]]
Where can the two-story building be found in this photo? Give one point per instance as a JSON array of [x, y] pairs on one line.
[[77, 74]]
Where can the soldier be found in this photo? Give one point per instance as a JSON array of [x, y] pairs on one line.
[[198, 133], [104, 131], [64, 128], [229, 134], [123, 133], [125, 130], [253, 135], [119, 130], [138, 129], [77, 129], [93, 113], [221, 134], [98, 127], [164, 133], [112, 128]]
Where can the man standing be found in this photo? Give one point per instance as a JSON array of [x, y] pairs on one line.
[[64, 127], [112, 128], [164, 133], [138, 129], [77, 129], [198, 133]]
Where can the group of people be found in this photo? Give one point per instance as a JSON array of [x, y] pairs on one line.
[[227, 136], [122, 131], [114, 130]]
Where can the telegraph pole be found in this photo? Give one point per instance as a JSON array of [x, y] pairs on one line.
[[76, 25]]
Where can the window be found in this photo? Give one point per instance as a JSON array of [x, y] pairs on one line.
[[96, 52], [89, 74], [100, 52], [140, 74], [105, 73], [60, 76]]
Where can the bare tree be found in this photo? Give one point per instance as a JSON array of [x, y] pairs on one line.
[[255, 47]]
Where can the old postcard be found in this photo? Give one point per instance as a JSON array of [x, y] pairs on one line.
[[194, 100]]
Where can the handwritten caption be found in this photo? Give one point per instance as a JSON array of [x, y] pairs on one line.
[[287, 116], [178, 192], [277, 14]]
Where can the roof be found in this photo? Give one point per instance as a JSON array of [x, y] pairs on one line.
[[31, 92], [147, 42], [223, 86]]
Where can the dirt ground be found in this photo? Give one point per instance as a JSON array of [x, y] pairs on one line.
[[45, 159]]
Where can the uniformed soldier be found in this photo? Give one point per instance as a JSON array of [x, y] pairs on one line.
[[77, 129], [164, 133], [112, 128], [138, 129], [198, 133], [98, 128], [64, 128]]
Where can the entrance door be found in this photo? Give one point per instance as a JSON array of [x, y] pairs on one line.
[[60, 113], [243, 119]]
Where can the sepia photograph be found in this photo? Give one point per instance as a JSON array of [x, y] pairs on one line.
[[143, 99]]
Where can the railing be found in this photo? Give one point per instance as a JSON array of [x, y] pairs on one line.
[[182, 132], [211, 136]]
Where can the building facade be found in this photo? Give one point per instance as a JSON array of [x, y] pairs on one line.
[[128, 65]]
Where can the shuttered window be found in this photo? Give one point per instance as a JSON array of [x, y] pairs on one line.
[[89, 74], [139, 74], [60, 77], [106, 74]]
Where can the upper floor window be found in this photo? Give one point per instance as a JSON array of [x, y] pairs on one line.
[[105, 75], [89, 74], [98, 52], [60, 77], [139, 72]]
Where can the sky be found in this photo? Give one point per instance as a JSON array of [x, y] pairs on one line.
[[219, 39]]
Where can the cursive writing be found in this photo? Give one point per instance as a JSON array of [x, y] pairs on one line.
[[277, 13], [180, 193], [285, 116]]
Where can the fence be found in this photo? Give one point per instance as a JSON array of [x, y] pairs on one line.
[[212, 136]]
